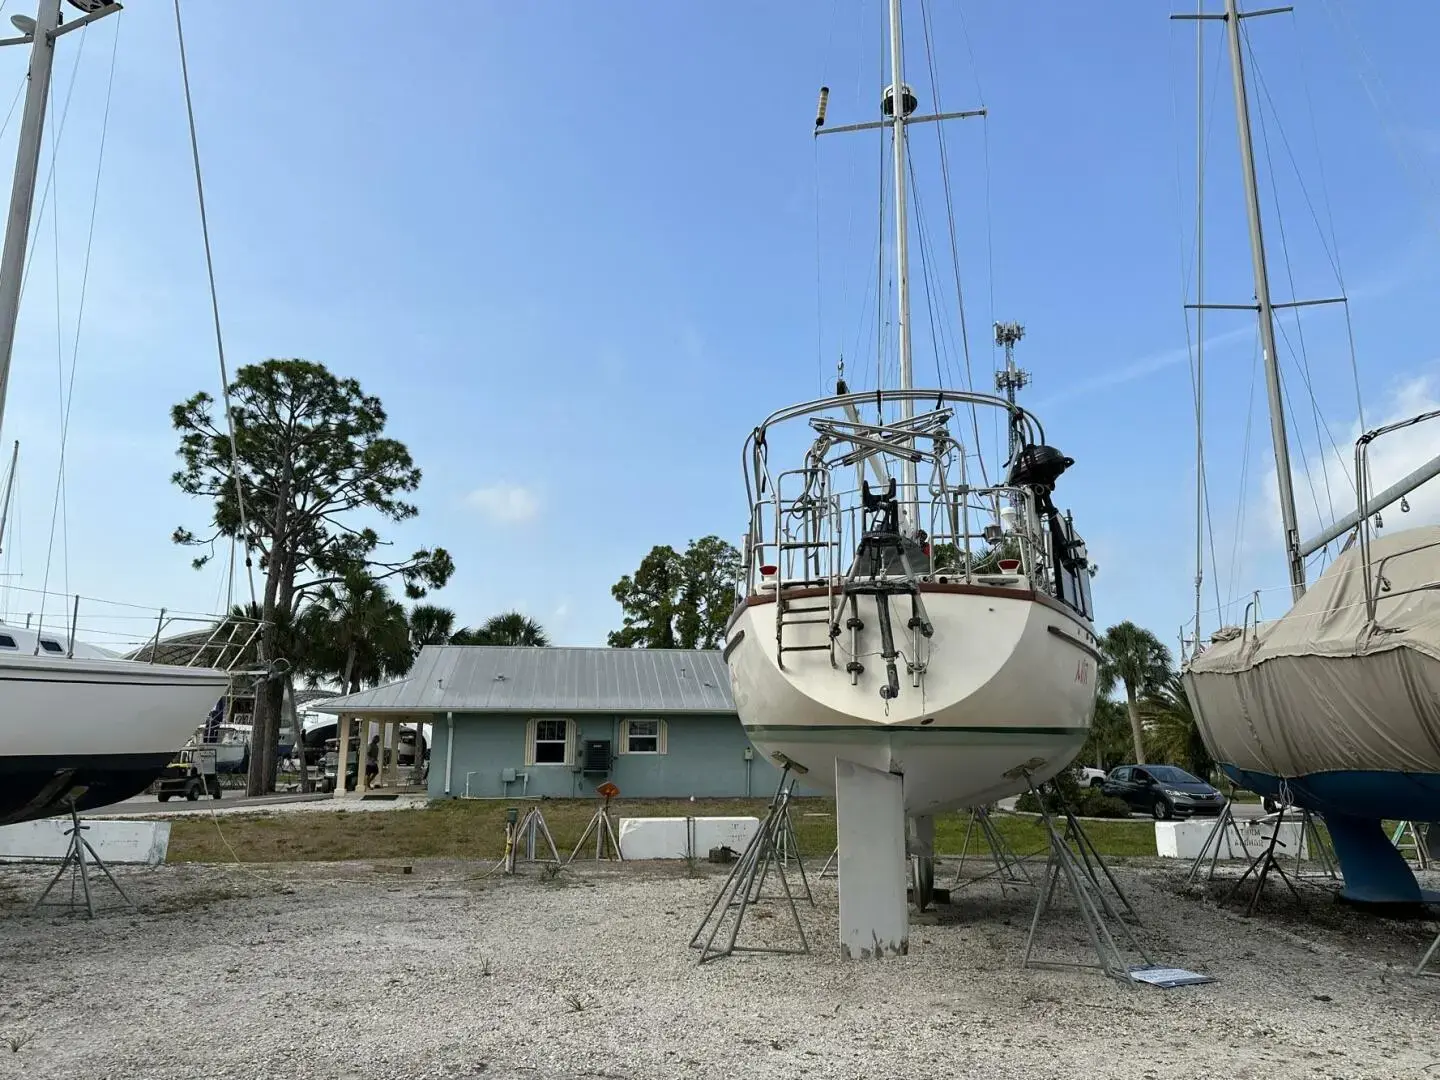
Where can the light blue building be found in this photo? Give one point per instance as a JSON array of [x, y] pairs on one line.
[[557, 722]]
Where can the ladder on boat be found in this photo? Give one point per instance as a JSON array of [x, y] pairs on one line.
[[816, 548]]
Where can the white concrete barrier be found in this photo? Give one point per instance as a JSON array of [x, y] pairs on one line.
[[678, 837], [115, 841], [1184, 839]]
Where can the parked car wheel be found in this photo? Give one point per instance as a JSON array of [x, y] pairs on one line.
[[1097, 781], [1162, 810], [163, 798], [1271, 805], [192, 792]]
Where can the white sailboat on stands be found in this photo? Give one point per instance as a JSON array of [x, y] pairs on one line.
[[907, 630], [77, 724], [1335, 706]]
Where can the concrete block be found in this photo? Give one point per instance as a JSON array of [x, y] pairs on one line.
[[677, 837], [115, 841], [1184, 839]]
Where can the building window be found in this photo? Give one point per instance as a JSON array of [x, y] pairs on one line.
[[550, 742], [643, 737]]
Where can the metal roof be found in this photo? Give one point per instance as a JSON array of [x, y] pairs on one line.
[[486, 678]]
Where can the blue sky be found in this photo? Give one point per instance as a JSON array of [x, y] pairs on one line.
[[573, 248]]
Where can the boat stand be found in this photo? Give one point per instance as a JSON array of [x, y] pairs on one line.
[[1009, 867], [1217, 840], [606, 839], [1267, 859], [1078, 872], [530, 829], [830, 869], [79, 856], [1425, 960], [1414, 835], [744, 885]]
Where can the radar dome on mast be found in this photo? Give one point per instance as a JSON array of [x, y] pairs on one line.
[[907, 98]]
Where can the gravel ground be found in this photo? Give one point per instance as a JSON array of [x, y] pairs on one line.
[[361, 970]]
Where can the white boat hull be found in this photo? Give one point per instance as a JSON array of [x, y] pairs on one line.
[[1010, 682], [105, 726]]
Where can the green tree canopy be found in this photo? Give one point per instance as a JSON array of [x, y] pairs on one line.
[[678, 601], [1135, 659], [357, 633], [310, 460], [507, 628], [1174, 736]]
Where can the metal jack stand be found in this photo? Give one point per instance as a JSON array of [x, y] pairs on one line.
[[1090, 897], [1263, 863], [1316, 843], [602, 827], [830, 869], [742, 888], [1424, 960], [530, 828], [1008, 865], [1414, 835], [77, 857], [1215, 842]]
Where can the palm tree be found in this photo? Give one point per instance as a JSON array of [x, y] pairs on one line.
[[507, 628], [431, 624], [1174, 733], [1135, 658], [357, 632]]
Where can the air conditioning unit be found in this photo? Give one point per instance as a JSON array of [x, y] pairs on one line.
[[596, 759]]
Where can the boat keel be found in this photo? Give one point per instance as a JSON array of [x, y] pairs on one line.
[[1375, 872], [870, 830]]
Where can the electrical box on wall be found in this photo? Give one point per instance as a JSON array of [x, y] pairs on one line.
[[507, 776], [749, 752]]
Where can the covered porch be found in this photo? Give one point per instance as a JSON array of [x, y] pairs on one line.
[[375, 754]]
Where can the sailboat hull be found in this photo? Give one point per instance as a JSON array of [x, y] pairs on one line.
[[1339, 703], [97, 730], [1010, 682]]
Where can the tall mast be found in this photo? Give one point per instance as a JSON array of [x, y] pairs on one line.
[[1293, 558], [40, 34], [900, 103]]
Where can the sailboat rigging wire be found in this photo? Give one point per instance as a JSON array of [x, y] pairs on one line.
[[1348, 35], [1239, 537], [215, 305], [950, 218], [1289, 268], [66, 393], [1204, 521], [1301, 356], [1333, 249]]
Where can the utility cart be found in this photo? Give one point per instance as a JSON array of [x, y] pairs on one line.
[[191, 774]]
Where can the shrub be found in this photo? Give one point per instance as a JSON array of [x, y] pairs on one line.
[[1085, 802]]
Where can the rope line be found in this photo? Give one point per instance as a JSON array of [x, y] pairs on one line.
[[215, 306]]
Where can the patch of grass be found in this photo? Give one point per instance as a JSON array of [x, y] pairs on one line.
[[18, 1041], [576, 1002], [475, 829]]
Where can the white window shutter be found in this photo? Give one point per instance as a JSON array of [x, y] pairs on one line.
[[530, 741], [624, 736], [569, 742], [662, 732]]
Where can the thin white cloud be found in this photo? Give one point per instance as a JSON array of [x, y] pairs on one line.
[[1257, 563], [1139, 369], [1391, 457], [507, 504]]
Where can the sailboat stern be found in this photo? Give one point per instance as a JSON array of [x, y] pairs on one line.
[[1006, 682]]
